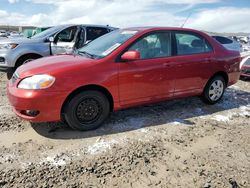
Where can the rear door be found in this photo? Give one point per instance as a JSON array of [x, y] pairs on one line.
[[194, 56], [94, 32], [149, 78]]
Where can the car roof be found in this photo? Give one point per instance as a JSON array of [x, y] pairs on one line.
[[86, 25], [153, 28]]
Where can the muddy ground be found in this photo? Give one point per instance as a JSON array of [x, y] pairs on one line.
[[181, 143]]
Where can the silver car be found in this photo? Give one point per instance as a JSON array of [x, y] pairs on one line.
[[56, 40]]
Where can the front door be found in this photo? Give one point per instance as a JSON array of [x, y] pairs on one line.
[[64, 41], [149, 78]]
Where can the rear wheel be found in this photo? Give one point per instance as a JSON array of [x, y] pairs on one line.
[[214, 90], [87, 110]]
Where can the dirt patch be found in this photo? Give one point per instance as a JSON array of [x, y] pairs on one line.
[[181, 143]]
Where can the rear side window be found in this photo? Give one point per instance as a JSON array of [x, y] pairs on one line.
[[188, 43], [154, 45], [223, 40], [95, 32]]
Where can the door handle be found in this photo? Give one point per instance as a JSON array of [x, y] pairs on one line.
[[168, 64], [208, 59]]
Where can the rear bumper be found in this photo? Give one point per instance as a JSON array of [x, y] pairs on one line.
[[233, 78], [48, 104]]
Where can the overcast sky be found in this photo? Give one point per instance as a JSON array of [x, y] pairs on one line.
[[210, 15]]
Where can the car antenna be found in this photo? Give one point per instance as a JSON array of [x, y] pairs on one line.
[[186, 19]]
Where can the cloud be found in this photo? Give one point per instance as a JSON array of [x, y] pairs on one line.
[[134, 13], [13, 1], [223, 19]]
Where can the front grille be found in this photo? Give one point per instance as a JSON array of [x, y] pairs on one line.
[[2, 60]]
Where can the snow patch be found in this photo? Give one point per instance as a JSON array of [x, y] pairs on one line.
[[55, 162], [176, 123], [101, 146], [144, 130], [244, 111], [221, 118]]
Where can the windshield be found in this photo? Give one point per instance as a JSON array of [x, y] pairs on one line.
[[47, 32], [106, 44]]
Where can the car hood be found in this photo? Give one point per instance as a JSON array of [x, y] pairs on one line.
[[19, 40], [53, 65]]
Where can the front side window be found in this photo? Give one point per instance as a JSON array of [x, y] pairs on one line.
[[188, 43], [154, 45], [67, 35]]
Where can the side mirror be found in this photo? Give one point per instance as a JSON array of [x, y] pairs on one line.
[[131, 55], [51, 39]]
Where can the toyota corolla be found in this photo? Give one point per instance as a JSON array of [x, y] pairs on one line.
[[125, 68]]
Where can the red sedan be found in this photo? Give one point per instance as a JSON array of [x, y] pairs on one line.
[[125, 68]]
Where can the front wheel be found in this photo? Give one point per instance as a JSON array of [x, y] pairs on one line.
[[9, 75], [87, 110], [214, 90]]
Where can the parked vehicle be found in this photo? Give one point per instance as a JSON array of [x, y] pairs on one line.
[[56, 40], [125, 68], [28, 33], [228, 43], [3, 33], [245, 68], [16, 35], [244, 39]]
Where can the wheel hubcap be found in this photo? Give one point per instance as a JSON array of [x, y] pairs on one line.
[[216, 90], [88, 110], [28, 60]]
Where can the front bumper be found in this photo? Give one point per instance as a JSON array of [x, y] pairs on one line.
[[6, 69], [48, 104]]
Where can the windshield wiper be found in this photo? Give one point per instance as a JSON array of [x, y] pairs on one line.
[[87, 54]]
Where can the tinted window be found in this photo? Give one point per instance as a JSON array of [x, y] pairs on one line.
[[188, 43], [95, 32], [67, 35], [154, 45], [223, 40]]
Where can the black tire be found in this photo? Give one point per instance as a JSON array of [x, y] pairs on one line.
[[21, 61], [94, 104], [10, 74], [243, 78], [207, 95], [25, 59]]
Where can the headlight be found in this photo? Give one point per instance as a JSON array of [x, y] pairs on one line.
[[8, 46], [42, 81]]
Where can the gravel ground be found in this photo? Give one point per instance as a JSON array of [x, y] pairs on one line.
[[180, 143]]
